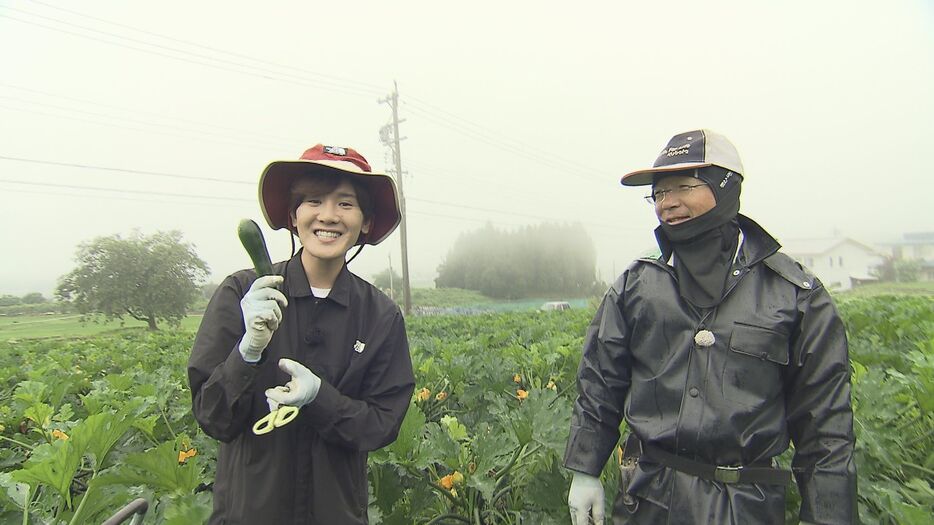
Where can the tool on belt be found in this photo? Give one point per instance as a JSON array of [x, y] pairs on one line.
[[755, 473]]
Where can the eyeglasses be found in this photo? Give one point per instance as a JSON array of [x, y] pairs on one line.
[[659, 196]]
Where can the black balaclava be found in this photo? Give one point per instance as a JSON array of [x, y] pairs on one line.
[[704, 246]]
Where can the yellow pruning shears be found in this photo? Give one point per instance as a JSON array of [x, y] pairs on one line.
[[275, 419]]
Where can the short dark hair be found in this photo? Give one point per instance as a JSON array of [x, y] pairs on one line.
[[327, 183]]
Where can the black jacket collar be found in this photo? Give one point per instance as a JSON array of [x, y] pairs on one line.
[[298, 286]]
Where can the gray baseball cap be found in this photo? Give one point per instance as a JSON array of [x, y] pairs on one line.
[[687, 151]]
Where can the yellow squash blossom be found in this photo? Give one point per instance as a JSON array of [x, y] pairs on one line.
[[447, 482], [441, 396], [183, 455], [551, 385], [517, 378], [423, 395], [521, 394], [58, 434]]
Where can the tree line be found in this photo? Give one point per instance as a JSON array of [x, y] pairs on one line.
[[545, 260], [157, 278]]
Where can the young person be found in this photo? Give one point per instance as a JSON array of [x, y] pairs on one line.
[[315, 337], [717, 354]]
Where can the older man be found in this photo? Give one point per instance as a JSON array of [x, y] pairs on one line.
[[717, 354]]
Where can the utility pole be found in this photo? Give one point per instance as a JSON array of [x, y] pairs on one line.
[[392, 289], [393, 143]]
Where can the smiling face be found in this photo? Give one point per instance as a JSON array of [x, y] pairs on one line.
[[682, 202], [328, 219]]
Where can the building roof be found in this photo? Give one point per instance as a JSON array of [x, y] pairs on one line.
[[820, 246], [914, 239]]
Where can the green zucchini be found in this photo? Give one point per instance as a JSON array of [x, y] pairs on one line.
[[252, 239]]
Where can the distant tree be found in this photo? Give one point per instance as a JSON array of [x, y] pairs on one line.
[[535, 261], [387, 281], [34, 298], [10, 300], [149, 278], [901, 270], [907, 271], [208, 289]]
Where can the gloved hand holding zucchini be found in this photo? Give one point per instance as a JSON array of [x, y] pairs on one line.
[[263, 303], [262, 312]]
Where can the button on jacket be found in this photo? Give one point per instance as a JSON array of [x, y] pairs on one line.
[[311, 471], [777, 370]]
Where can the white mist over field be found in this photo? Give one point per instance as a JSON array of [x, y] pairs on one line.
[[117, 116]]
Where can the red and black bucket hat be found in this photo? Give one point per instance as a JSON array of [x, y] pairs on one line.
[[330, 160]]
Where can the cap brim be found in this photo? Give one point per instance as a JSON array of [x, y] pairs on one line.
[[647, 177], [276, 179]]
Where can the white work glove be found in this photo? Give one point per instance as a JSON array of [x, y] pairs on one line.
[[301, 390], [262, 312], [586, 498]]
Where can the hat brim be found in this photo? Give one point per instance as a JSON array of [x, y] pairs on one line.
[[276, 179], [647, 177]]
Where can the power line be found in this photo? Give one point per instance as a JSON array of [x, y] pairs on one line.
[[266, 136], [608, 224], [119, 126], [193, 199], [331, 84], [135, 192], [123, 170], [122, 198], [282, 77], [502, 140], [375, 88], [132, 121], [464, 126], [516, 150]]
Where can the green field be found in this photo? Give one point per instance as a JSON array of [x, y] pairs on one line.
[[89, 423], [445, 300], [870, 290], [71, 325]]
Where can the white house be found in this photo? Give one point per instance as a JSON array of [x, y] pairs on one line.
[[838, 262], [919, 247]]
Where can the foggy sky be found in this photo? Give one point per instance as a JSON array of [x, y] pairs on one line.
[[515, 113]]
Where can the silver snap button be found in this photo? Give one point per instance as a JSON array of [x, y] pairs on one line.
[[735, 272], [694, 391], [806, 284]]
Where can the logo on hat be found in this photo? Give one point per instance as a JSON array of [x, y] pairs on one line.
[[683, 149], [334, 150], [358, 346]]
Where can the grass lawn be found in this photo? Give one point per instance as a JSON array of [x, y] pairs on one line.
[[70, 325], [869, 290]]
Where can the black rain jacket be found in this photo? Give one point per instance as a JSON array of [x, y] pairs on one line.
[[311, 471], [778, 371]]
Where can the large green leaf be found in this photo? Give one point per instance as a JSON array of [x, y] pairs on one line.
[[157, 468], [56, 468], [410, 434]]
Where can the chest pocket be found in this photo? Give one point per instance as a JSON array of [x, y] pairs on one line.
[[752, 373]]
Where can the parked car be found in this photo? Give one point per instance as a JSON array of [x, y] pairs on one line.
[[555, 305]]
